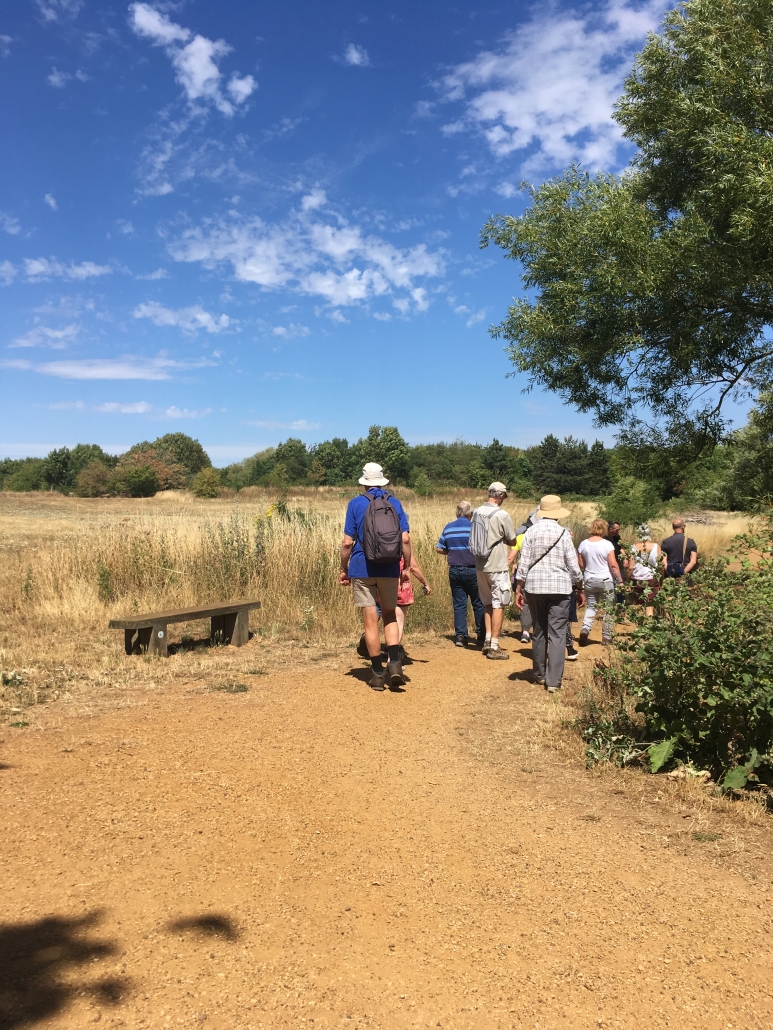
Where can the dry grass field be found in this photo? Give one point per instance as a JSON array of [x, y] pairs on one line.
[[69, 565]]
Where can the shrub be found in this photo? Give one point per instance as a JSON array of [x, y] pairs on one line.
[[168, 475], [631, 502], [135, 481], [95, 480], [207, 483], [701, 670], [422, 485]]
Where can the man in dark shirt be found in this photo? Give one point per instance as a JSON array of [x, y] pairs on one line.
[[461, 573], [681, 551]]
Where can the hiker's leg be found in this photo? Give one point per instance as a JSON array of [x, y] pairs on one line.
[[608, 615], [479, 611], [391, 629], [497, 617], [484, 592], [459, 599], [538, 612], [527, 622], [400, 618], [557, 622], [591, 607], [370, 625]]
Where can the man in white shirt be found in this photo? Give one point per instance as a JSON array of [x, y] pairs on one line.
[[492, 568], [548, 571]]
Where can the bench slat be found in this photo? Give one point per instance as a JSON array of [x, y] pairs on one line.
[[207, 611]]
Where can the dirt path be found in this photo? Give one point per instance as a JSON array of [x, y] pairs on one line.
[[312, 854]]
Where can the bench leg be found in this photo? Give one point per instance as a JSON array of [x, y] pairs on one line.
[[157, 639], [241, 630]]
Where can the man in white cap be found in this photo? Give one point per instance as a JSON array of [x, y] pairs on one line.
[[548, 572], [492, 568], [376, 535]]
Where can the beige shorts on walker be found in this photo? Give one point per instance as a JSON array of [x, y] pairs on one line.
[[376, 589], [494, 589]]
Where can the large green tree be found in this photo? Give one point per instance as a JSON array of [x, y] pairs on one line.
[[651, 293]]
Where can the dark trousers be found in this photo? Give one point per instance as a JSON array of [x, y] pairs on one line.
[[550, 614], [464, 585]]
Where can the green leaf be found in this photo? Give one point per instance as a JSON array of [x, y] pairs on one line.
[[660, 753], [735, 779]]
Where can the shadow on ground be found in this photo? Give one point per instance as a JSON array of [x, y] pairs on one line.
[[36, 957]]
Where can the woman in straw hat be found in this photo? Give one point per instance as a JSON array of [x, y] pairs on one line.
[[548, 573]]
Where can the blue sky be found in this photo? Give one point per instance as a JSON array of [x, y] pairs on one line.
[[247, 221]]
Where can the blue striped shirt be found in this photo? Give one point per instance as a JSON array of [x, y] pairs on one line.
[[454, 541]]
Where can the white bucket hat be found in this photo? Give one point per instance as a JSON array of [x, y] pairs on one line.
[[373, 475]]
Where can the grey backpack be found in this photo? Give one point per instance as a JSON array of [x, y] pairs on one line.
[[478, 545], [382, 536]]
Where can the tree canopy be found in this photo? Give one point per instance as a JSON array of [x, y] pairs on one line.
[[652, 292]]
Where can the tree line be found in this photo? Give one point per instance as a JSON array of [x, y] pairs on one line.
[[632, 483]]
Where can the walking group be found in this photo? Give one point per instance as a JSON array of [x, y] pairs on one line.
[[552, 578]]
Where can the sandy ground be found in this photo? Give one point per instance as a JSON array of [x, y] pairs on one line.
[[312, 854]]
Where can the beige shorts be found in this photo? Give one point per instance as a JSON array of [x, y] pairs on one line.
[[494, 589], [376, 589]]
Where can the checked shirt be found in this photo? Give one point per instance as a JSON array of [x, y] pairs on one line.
[[558, 570]]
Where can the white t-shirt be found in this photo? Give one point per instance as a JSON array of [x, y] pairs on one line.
[[595, 554]]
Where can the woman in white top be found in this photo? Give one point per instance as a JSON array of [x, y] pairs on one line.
[[643, 572], [597, 560]]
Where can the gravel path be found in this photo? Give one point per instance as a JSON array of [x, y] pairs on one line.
[[313, 854]]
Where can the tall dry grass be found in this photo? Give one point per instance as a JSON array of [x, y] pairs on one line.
[[79, 563]]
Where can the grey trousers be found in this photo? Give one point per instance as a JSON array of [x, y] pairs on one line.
[[527, 624], [550, 616]]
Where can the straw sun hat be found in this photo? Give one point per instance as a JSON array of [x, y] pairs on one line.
[[550, 508]]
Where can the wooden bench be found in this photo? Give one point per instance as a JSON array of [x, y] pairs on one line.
[[146, 634]]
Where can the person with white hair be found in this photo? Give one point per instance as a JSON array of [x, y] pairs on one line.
[[644, 569], [454, 544], [376, 537]]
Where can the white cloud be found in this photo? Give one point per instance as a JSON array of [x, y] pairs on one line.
[[108, 368], [300, 425], [58, 79], [125, 226], [314, 200], [9, 224], [67, 406], [5, 45], [54, 10], [196, 62], [42, 336], [289, 332], [49, 268], [136, 408], [189, 320], [50, 200], [382, 316], [7, 273], [551, 87], [357, 56], [160, 273], [175, 412], [337, 262]]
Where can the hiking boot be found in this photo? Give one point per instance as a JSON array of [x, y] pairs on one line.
[[538, 681], [572, 654], [525, 637], [377, 680], [485, 647], [584, 638], [362, 648], [552, 690], [461, 640], [395, 673], [497, 654]]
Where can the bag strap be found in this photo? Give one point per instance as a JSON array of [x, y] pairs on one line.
[[545, 554], [684, 548]]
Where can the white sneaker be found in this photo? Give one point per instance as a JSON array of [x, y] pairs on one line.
[[525, 637]]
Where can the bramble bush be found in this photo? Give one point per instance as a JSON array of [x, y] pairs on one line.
[[700, 673]]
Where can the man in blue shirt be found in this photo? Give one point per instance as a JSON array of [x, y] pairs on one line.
[[375, 582], [461, 573]]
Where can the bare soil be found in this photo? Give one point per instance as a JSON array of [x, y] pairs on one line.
[[309, 853]]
